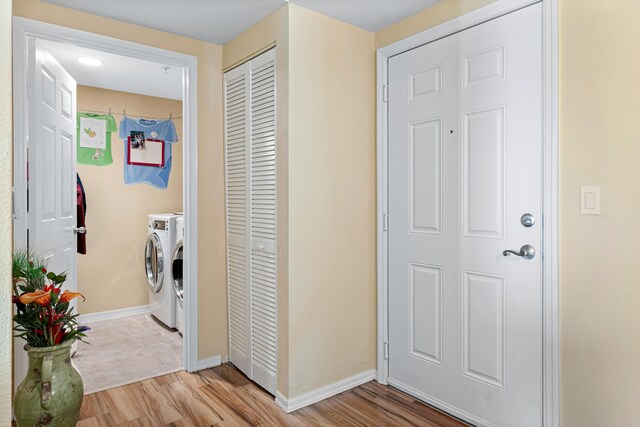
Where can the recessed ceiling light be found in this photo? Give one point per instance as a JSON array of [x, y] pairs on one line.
[[92, 62]]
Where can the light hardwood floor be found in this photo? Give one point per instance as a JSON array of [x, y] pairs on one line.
[[223, 396]]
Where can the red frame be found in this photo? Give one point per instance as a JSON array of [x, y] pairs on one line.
[[129, 162]]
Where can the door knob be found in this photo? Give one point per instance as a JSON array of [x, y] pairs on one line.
[[526, 252], [79, 230]]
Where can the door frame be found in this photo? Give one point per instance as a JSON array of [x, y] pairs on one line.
[[550, 241], [25, 29]]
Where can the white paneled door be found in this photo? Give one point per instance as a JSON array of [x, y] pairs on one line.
[[465, 166], [51, 219], [250, 140], [52, 166]]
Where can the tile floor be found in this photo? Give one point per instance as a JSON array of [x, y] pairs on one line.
[[127, 350]]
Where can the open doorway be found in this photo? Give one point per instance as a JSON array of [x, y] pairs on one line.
[[139, 185], [131, 305]]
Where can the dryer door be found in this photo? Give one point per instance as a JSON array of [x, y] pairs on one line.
[[154, 262], [176, 270]]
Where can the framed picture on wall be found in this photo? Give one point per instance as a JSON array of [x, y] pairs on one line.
[[145, 152]]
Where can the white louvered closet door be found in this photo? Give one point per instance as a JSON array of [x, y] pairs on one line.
[[263, 220], [237, 174], [251, 217]]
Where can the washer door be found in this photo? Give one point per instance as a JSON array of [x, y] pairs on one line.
[[154, 262], [176, 270]]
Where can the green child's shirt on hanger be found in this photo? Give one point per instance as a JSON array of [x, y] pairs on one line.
[[94, 138]]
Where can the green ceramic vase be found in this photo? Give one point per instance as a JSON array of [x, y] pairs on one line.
[[51, 393]]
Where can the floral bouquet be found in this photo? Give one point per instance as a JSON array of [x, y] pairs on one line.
[[44, 317]]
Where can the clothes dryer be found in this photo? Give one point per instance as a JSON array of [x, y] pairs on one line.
[[160, 241], [177, 260]]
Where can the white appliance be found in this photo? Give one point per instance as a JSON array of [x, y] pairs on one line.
[[176, 273], [157, 252]]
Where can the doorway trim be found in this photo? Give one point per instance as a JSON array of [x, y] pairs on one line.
[[24, 29], [550, 314]]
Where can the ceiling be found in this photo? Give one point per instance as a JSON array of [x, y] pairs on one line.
[[219, 21], [372, 15], [118, 72]]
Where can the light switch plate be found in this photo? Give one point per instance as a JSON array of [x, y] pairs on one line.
[[590, 200]]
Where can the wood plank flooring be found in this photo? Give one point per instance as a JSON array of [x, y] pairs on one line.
[[223, 396]]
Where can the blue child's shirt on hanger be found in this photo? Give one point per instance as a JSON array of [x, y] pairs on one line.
[[163, 130]]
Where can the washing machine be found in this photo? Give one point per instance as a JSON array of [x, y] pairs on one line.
[[176, 273], [157, 256]]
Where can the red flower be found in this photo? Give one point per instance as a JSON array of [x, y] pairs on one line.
[[50, 288], [58, 333], [44, 270]]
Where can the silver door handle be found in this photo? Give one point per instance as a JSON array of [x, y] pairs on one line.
[[79, 230], [526, 252]]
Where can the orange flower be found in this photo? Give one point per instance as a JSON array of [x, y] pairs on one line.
[[67, 296], [40, 297]]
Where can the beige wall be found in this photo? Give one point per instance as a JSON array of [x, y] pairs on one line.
[[111, 274], [274, 31], [212, 307], [331, 201], [5, 213], [599, 269]]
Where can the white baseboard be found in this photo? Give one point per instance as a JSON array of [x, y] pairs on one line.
[[290, 405], [113, 314], [209, 363]]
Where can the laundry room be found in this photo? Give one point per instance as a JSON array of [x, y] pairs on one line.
[[130, 203]]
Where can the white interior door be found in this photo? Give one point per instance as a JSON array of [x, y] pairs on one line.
[[52, 166], [51, 170], [465, 164], [237, 175], [263, 221], [250, 153]]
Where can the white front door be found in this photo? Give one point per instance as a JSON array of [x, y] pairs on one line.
[[51, 169], [465, 165]]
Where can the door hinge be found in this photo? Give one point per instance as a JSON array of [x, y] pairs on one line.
[[385, 222], [386, 350], [385, 93]]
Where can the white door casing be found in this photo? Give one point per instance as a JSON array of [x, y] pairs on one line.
[[25, 30], [465, 162]]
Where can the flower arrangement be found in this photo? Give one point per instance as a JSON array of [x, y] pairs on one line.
[[43, 317]]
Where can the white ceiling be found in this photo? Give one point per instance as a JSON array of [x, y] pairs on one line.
[[219, 21], [372, 15], [216, 21], [118, 72]]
